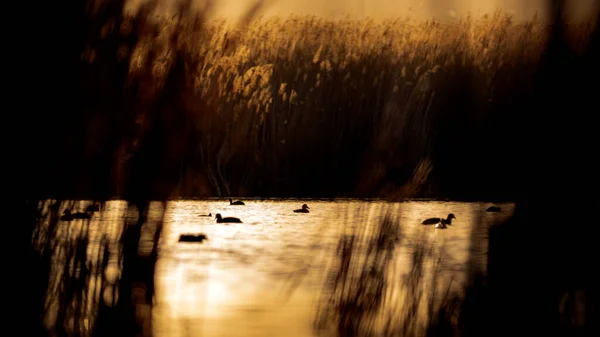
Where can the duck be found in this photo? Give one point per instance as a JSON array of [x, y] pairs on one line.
[[439, 222], [493, 209], [92, 208], [68, 216], [221, 219], [209, 214], [239, 202], [304, 209], [193, 237]]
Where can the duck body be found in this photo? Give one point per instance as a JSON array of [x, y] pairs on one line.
[[92, 208], [431, 221], [304, 209], [238, 202], [221, 219], [81, 215], [493, 209], [192, 237], [439, 221], [68, 216]]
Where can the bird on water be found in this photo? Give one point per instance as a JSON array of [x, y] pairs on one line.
[[439, 222], [69, 216], [192, 237], [304, 209], [238, 202], [221, 219], [92, 208]]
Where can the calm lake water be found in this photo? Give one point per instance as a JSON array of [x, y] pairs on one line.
[[265, 276]]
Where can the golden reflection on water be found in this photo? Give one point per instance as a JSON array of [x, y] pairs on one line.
[[264, 276]]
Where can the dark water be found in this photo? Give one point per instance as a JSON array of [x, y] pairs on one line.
[[265, 276]]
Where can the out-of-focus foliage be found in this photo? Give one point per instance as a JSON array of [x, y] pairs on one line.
[[276, 106]]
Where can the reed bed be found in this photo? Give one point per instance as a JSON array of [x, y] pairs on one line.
[[275, 107]]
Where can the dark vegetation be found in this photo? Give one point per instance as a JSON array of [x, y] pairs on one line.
[[361, 299], [515, 122], [301, 107]]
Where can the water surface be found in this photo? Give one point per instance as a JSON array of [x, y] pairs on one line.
[[265, 276]]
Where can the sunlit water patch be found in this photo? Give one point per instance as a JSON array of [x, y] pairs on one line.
[[265, 276]]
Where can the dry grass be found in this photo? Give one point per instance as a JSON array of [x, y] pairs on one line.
[[280, 105]]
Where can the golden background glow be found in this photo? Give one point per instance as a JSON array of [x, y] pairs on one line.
[[521, 9]]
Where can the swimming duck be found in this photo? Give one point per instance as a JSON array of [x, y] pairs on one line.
[[493, 209], [192, 237], [209, 214], [304, 209], [92, 208], [221, 219], [239, 202], [68, 216], [439, 222]]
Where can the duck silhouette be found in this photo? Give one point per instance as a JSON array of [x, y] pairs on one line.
[[209, 214], [439, 222], [238, 202], [192, 237], [221, 219], [493, 209], [92, 208], [69, 216], [304, 209]]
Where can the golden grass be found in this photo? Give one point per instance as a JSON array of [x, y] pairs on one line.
[[278, 61], [264, 95]]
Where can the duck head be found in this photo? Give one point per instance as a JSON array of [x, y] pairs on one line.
[[92, 208], [305, 206], [218, 216]]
